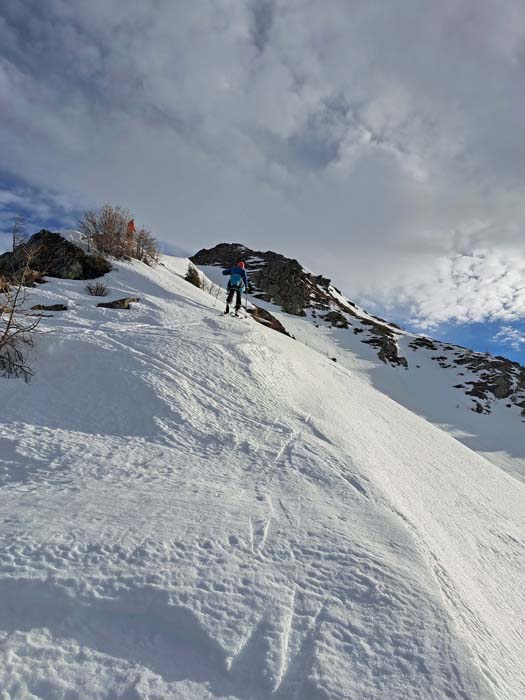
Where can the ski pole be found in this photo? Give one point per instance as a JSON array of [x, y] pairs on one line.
[[219, 289]]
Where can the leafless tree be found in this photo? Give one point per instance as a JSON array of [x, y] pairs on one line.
[[146, 248], [109, 232], [17, 232], [16, 326], [105, 229]]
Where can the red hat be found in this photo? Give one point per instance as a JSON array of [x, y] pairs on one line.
[[241, 265]]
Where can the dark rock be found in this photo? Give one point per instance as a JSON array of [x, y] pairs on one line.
[[284, 283], [336, 319], [384, 339], [477, 389], [52, 307], [502, 386], [422, 342], [119, 303], [387, 346], [53, 256], [268, 320]]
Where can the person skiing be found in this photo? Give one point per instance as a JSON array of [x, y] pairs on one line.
[[237, 283]]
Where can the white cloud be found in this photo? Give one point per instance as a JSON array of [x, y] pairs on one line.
[[488, 285], [380, 143], [510, 336], [36, 207]]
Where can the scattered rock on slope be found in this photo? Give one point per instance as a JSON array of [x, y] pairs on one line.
[[267, 319], [51, 307], [492, 378], [119, 303], [336, 319]]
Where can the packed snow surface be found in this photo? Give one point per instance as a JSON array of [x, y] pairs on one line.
[[196, 507], [435, 391]]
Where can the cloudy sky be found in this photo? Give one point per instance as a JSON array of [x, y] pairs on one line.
[[381, 143]]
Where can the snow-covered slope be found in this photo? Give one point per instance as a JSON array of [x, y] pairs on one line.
[[194, 506], [477, 398]]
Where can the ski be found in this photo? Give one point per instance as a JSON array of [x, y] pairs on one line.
[[234, 315]]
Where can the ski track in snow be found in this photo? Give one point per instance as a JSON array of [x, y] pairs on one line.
[[196, 509]]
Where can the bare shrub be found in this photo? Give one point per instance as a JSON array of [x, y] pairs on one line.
[[210, 287], [97, 289], [146, 247], [16, 326], [110, 230], [105, 229]]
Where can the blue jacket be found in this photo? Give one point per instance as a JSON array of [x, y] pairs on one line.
[[238, 277]]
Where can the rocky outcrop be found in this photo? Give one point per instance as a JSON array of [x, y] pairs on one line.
[[384, 340], [273, 277], [495, 376], [283, 283], [53, 256]]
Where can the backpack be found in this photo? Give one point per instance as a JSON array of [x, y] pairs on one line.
[[236, 281]]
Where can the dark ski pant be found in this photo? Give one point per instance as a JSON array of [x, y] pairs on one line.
[[229, 299]]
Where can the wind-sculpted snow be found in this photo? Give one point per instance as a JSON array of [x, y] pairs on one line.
[[194, 506]]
